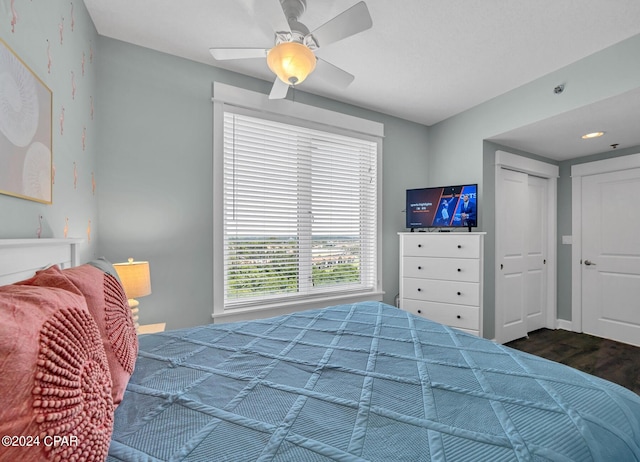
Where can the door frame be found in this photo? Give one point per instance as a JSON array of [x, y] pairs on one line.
[[551, 173], [579, 171]]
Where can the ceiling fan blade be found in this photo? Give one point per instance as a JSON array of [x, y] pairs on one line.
[[269, 11], [332, 74], [350, 22], [279, 89], [222, 54]]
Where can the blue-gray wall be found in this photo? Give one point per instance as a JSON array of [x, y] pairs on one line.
[[147, 121], [156, 174], [458, 153]]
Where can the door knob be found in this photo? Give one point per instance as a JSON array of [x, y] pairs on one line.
[[589, 263]]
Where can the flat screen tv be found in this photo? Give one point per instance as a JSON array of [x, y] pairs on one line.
[[443, 207]]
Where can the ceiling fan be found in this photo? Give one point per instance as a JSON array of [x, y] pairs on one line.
[[293, 58]]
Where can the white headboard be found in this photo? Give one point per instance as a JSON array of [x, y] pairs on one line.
[[21, 258]]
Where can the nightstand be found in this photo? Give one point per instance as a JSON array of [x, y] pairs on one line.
[[152, 328]]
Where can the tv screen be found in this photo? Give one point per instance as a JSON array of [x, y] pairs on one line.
[[443, 207]]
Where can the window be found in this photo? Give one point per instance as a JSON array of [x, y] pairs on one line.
[[299, 210]]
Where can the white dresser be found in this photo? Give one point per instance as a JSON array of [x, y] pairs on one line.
[[441, 277]]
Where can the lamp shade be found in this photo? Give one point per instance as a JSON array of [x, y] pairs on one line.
[[135, 277], [292, 62]]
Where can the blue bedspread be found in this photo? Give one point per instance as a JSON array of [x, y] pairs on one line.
[[362, 382]]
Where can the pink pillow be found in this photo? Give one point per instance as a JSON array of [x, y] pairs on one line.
[[55, 379], [108, 304]]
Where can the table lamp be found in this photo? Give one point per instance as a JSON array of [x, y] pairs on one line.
[[136, 280]]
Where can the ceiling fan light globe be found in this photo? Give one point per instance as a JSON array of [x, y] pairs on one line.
[[292, 62]]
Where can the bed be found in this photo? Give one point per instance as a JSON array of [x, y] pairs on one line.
[[359, 382]]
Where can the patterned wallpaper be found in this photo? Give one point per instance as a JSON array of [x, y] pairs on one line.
[[57, 40]]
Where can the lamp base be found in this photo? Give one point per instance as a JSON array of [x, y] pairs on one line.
[[133, 305]]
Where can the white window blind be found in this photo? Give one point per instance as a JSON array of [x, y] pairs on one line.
[[300, 212]]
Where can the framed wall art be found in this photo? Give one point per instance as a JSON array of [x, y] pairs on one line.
[[26, 130]]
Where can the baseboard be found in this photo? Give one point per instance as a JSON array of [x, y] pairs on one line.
[[564, 325]]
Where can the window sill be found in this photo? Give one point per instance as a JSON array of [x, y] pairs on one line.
[[276, 309]]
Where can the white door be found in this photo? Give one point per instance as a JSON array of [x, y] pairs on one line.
[[611, 255], [536, 255], [511, 214], [521, 240]]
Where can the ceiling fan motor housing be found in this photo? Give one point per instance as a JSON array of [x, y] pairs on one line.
[[293, 9]]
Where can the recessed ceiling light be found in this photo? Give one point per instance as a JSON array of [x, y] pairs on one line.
[[588, 136]]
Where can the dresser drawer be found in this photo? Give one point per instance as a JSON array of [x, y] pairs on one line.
[[461, 293], [454, 269], [460, 316], [453, 245]]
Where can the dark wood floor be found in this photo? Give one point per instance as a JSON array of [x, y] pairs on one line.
[[614, 361]]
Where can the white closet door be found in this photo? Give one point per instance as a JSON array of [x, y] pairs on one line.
[[512, 263], [536, 254], [521, 243]]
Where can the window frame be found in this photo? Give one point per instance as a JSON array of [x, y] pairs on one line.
[[234, 99]]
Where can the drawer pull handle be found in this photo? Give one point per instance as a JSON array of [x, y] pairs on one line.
[[459, 270], [419, 311], [459, 317], [419, 289], [459, 246], [419, 267], [459, 293], [419, 245]]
